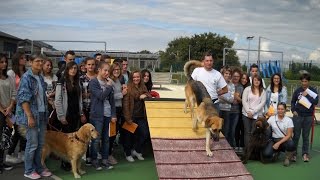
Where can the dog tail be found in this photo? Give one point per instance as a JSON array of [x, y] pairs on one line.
[[189, 67], [22, 130]]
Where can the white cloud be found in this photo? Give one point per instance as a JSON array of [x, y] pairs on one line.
[[315, 55]]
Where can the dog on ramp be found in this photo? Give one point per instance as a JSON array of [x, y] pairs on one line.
[[206, 114]]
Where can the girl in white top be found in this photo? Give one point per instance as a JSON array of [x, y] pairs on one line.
[[50, 79], [253, 101], [282, 131]]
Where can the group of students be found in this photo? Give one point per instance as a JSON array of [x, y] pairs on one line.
[[101, 93], [241, 98]]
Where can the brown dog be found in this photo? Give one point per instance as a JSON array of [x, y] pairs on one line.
[[258, 141], [69, 146], [196, 93]]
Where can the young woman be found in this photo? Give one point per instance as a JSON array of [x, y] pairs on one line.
[[134, 111], [18, 69], [253, 101], [68, 102], [51, 80], [225, 102], [102, 112], [239, 132], [147, 79], [282, 131], [119, 91], [7, 101], [32, 112], [235, 106], [276, 93], [90, 66]]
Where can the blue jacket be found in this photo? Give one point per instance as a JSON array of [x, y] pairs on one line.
[[97, 99], [282, 97], [27, 92], [300, 109]]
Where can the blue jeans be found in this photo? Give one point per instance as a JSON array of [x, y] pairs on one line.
[[302, 124], [230, 127], [34, 145], [269, 151], [249, 125], [103, 128]]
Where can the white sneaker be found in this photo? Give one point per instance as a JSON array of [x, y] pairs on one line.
[[21, 156], [12, 159], [138, 155], [129, 158]]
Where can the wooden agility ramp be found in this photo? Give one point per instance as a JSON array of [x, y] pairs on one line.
[[180, 152]]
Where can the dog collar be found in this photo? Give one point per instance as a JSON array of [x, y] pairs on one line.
[[77, 138]]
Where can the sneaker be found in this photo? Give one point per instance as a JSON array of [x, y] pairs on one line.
[[305, 158], [138, 155], [129, 158], [112, 160], [7, 167], [33, 175], [286, 162], [46, 173], [12, 159], [21, 156], [96, 165], [293, 158], [106, 165], [88, 162]]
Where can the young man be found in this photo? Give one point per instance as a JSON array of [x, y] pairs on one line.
[[68, 57], [211, 79], [302, 114], [97, 57], [125, 72], [254, 71]]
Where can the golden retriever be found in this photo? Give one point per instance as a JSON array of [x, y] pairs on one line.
[[206, 114], [69, 146]]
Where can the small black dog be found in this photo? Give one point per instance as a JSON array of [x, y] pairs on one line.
[[258, 141]]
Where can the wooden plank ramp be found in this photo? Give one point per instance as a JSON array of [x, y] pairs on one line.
[[179, 152]]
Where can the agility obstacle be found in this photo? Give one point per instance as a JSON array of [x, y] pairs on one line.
[[179, 152]]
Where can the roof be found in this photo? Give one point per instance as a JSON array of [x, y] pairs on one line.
[[3, 34]]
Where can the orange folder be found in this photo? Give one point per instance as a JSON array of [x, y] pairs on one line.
[[112, 129], [130, 127]]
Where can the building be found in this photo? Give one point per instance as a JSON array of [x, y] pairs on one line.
[[8, 43]]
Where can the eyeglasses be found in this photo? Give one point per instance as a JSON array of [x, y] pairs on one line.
[[116, 69]]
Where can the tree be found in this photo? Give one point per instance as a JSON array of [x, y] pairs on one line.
[[144, 52], [177, 52]]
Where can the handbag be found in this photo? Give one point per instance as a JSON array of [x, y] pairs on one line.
[[6, 140]]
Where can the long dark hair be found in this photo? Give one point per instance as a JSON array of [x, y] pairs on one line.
[[272, 83], [148, 84], [248, 80], [260, 86], [75, 82], [15, 63], [4, 72]]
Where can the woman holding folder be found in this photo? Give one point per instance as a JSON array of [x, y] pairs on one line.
[[135, 113]]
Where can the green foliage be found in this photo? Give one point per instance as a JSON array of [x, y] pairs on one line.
[[294, 71], [177, 52]]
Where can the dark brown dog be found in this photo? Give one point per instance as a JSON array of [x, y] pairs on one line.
[[258, 141]]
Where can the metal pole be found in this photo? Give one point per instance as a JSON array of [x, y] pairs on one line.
[[31, 46], [224, 58], [259, 48], [105, 47], [189, 51], [249, 38]]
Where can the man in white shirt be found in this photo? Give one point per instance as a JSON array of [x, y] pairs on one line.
[[210, 78]]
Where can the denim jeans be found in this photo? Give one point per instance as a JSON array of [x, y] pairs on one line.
[[249, 125], [229, 126], [103, 128], [269, 151], [302, 124], [34, 145]]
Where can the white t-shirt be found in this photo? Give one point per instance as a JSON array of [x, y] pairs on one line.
[[212, 80], [274, 98], [283, 124]]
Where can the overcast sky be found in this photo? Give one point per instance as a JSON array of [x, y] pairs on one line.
[[139, 24]]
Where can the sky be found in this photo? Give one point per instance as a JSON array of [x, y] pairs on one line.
[[288, 26]]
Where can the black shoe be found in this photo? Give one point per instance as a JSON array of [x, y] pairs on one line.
[[88, 162], [7, 167]]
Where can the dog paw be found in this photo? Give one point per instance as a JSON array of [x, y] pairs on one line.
[[82, 172], [209, 153], [77, 176]]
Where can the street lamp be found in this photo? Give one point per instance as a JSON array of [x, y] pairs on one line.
[[249, 38]]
